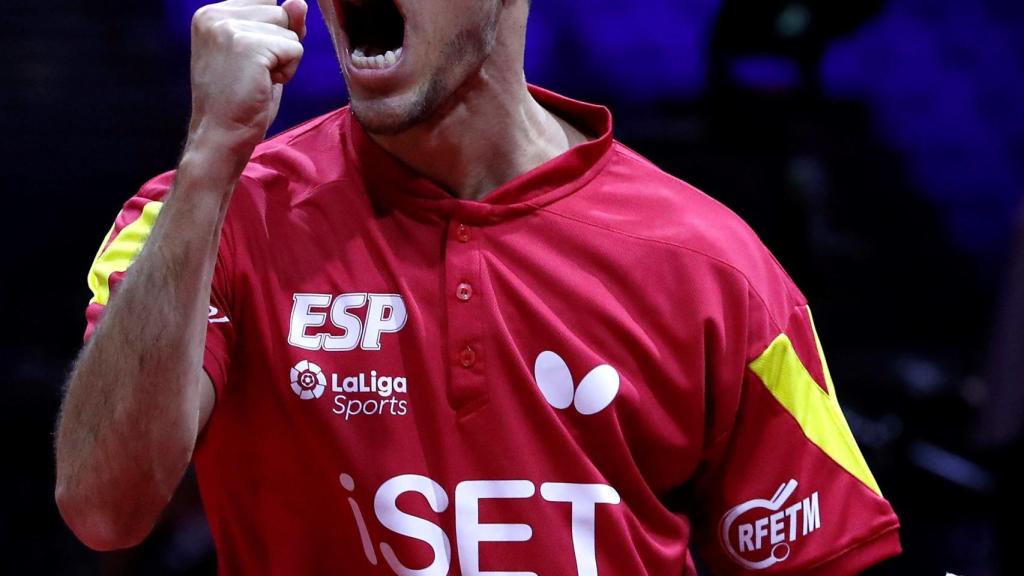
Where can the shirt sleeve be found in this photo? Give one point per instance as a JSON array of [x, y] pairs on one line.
[[786, 490], [120, 249]]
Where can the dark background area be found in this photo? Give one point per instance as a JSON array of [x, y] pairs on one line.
[[876, 146]]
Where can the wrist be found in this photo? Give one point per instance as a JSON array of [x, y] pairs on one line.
[[231, 144], [207, 176], [215, 157]]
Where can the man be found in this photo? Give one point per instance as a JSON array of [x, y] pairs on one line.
[[453, 328]]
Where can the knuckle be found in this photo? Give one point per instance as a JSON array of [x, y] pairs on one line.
[[241, 42], [204, 18], [225, 30], [290, 50]]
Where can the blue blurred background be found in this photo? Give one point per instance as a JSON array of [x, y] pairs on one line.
[[877, 147]]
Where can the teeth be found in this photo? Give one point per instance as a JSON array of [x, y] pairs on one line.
[[378, 62]]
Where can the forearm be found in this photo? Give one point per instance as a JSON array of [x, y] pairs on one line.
[[131, 413], [130, 417]]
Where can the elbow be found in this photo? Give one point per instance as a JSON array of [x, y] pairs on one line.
[[100, 528]]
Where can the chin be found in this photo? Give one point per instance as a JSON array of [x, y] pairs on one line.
[[388, 115], [383, 116], [398, 76]]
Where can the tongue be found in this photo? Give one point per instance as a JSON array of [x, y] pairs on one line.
[[371, 51]]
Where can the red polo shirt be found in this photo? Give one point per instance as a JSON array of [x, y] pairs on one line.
[[595, 369]]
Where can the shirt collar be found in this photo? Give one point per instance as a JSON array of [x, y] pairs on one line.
[[390, 181]]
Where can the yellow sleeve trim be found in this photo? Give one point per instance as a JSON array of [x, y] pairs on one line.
[[817, 412], [121, 253]]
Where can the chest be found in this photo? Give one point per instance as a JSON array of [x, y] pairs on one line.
[[504, 351]]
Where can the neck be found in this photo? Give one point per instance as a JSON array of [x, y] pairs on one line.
[[490, 131]]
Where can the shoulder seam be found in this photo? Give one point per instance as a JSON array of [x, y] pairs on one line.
[[634, 236], [292, 134], [635, 157]]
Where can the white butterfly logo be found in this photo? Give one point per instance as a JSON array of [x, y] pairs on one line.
[[595, 392]]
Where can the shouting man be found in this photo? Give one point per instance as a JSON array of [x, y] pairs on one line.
[[451, 328]]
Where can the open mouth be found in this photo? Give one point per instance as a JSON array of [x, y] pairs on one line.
[[376, 32]]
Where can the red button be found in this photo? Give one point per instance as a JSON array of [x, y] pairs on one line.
[[462, 233], [464, 292], [467, 357]]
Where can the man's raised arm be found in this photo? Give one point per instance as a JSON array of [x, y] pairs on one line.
[[138, 396]]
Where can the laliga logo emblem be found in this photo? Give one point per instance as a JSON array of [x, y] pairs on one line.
[[773, 531], [308, 381]]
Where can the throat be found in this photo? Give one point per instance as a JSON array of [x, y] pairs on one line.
[[472, 152]]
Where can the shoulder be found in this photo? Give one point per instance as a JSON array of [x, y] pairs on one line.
[[282, 170], [309, 153], [306, 155], [632, 200]]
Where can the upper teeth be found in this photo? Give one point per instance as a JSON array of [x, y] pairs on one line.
[[380, 61]]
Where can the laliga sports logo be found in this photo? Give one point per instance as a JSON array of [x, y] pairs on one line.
[[768, 537], [308, 380], [387, 395]]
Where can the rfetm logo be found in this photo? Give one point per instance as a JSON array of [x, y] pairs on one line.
[[765, 530], [308, 380], [597, 390]]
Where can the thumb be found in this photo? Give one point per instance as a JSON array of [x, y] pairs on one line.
[[297, 11]]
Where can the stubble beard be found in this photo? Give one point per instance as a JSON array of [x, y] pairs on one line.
[[461, 59], [383, 119]]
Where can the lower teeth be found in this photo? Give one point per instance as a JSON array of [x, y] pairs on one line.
[[380, 61]]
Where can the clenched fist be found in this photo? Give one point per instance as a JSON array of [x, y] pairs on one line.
[[243, 52]]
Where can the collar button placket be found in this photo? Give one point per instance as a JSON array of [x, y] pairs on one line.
[[466, 316]]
